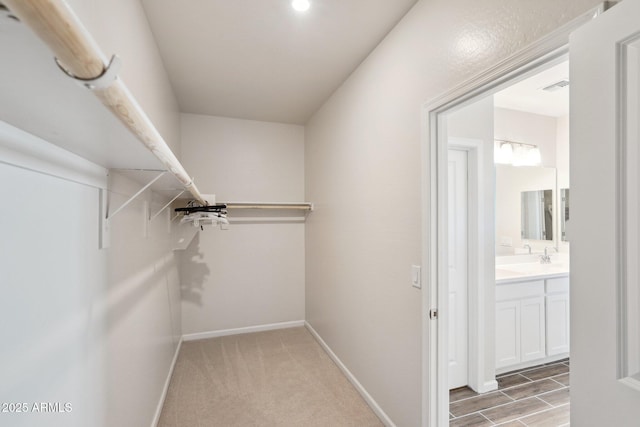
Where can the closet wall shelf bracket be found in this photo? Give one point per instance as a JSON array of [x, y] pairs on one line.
[[103, 81], [132, 198], [167, 205]]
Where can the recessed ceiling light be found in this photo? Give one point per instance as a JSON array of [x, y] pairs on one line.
[[301, 5]]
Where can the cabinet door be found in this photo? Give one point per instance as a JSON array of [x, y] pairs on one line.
[[557, 324], [507, 333], [532, 318]]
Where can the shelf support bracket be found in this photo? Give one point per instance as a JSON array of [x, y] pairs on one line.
[[166, 206], [132, 198]]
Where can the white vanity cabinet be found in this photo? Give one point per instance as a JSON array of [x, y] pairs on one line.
[[520, 322], [532, 321]]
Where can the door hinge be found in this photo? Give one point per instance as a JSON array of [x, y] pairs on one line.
[[433, 313]]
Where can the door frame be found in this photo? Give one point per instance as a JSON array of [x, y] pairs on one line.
[[553, 47]]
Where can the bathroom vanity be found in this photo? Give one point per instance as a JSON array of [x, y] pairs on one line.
[[532, 311]]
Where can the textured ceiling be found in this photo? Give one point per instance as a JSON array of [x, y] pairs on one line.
[[260, 59]]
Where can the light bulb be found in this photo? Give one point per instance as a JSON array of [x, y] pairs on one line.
[[503, 154], [536, 159], [301, 5]]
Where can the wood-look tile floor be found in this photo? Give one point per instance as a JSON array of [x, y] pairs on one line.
[[534, 397]]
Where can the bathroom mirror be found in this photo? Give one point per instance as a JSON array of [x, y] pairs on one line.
[[536, 210], [564, 213], [511, 182]]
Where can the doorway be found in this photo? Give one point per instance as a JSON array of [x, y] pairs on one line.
[[551, 51], [495, 341], [601, 132], [493, 230]]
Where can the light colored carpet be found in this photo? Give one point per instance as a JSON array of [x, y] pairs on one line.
[[273, 378]]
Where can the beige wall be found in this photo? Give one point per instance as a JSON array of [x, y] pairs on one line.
[[363, 172], [253, 273]]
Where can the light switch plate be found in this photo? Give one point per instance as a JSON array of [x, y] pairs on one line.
[[416, 280]]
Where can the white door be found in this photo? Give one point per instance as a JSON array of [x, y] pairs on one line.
[[604, 57], [458, 249]]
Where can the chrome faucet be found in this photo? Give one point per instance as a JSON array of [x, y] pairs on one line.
[[527, 246], [546, 258]]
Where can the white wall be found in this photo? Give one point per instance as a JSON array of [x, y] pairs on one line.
[[252, 273], [363, 172], [93, 328], [51, 274]]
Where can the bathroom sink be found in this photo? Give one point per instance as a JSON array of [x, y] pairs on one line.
[[535, 268], [508, 272]]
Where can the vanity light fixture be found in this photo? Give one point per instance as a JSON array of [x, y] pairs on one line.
[[301, 5], [516, 153]]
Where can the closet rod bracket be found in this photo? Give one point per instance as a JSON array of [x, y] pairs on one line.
[[132, 198], [104, 80]]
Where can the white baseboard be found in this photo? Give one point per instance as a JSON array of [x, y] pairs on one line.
[[532, 363], [246, 330], [163, 396], [365, 395]]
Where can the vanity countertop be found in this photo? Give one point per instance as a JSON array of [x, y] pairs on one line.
[[519, 272]]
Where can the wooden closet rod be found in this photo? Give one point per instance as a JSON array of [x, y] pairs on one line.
[[76, 51], [266, 205]]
